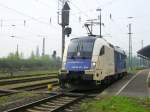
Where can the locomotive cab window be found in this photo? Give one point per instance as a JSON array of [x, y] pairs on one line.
[[102, 51], [81, 48]]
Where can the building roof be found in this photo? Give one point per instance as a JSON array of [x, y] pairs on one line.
[[145, 52]]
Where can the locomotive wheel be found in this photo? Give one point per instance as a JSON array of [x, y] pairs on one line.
[[106, 81]]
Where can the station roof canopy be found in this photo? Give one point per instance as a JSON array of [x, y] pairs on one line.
[[145, 52]]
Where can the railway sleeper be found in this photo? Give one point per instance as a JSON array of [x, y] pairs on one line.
[[49, 106], [31, 110], [40, 108]]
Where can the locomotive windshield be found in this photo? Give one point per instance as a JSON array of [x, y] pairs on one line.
[[81, 48]]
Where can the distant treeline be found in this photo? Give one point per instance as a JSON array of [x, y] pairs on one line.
[[16, 62]]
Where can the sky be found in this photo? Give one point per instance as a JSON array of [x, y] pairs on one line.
[[26, 22]]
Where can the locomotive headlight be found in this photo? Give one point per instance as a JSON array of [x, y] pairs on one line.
[[93, 64]]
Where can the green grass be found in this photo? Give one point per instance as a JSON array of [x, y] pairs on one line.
[[117, 104], [18, 96]]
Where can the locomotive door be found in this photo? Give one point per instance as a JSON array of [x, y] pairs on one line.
[[99, 65]]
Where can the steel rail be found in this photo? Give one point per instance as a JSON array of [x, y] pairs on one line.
[[32, 104], [57, 102]]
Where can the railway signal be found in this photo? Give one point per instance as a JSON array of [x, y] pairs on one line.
[[64, 13]]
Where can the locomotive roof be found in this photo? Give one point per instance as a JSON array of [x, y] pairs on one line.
[[116, 48], [85, 38]]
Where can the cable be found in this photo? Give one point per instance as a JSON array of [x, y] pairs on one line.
[[23, 14], [78, 8], [110, 2], [106, 4], [80, 11], [12, 19], [17, 37], [42, 3]]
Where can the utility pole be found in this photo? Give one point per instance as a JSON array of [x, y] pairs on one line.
[[130, 46], [37, 51], [43, 49], [100, 18], [43, 43], [63, 41]]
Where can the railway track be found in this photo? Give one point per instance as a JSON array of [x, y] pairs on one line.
[[26, 79], [7, 92], [4, 93], [56, 103], [64, 101], [36, 86], [23, 76], [39, 87], [31, 85]]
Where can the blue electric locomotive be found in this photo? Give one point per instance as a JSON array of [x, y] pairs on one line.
[[90, 61]]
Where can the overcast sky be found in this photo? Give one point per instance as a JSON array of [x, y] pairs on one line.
[[37, 14]]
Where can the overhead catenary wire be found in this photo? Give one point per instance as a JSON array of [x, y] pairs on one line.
[[26, 15], [18, 37], [35, 19], [19, 27], [110, 3], [78, 8], [42, 3], [23, 14], [90, 10], [80, 11]]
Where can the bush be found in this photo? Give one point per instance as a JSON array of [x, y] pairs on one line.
[[14, 63]]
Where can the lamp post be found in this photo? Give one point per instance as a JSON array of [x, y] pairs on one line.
[[130, 44]]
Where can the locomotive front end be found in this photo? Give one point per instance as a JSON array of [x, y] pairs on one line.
[[77, 67]]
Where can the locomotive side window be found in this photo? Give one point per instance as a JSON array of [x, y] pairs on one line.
[[102, 52]]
